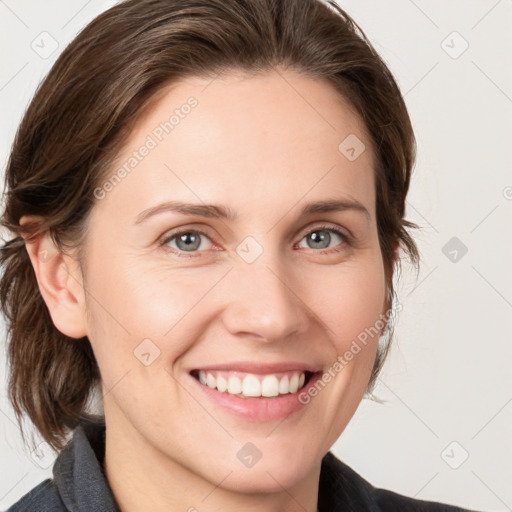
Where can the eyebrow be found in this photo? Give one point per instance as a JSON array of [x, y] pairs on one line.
[[222, 212]]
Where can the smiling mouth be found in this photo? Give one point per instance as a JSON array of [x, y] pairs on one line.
[[252, 385]]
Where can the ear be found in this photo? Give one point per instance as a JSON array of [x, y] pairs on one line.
[[60, 282], [396, 251]]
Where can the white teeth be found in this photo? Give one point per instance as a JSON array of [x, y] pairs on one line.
[[211, 381], [270, 386], [234, 385], [252, 386], [294, 383], [284, 385], [222, 384]]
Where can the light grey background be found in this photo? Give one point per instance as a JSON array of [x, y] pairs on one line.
[[448, 381]]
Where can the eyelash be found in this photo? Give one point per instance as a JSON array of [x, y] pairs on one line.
[[346, 240]]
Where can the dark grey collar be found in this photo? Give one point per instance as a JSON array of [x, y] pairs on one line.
[[78, 472]]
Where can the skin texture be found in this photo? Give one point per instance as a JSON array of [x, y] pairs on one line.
[[264, 146]]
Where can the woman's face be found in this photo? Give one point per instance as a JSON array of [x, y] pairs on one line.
[[267, 285]]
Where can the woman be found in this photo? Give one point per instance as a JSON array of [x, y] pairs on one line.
[[166, 190]]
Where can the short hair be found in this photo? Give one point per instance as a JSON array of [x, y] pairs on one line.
[[84, 110]]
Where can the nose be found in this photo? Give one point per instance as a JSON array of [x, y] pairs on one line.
[[264, 301]]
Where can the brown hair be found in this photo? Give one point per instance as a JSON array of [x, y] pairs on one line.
[[84, 110]]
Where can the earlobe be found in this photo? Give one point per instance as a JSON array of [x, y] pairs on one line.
[[396, 250], [389, 299], [60, 284]]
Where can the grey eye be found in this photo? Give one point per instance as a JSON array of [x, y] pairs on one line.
[[186, 241], [320, 238]]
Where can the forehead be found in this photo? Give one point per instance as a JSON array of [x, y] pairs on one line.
[[268, 140]]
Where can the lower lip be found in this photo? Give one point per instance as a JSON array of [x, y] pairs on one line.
[[258, 408]]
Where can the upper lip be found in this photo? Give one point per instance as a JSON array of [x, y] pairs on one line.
[[255, 367]]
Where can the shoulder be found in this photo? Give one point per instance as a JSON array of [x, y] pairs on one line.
[[342, 488], [389, 501], [42, 498]]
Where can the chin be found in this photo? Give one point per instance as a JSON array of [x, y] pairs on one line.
[[279, 469]]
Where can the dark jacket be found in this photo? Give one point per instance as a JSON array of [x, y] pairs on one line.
[[79, 484]]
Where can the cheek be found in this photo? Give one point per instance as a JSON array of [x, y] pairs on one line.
[[354, 299], [132, 301], [353, 314]]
